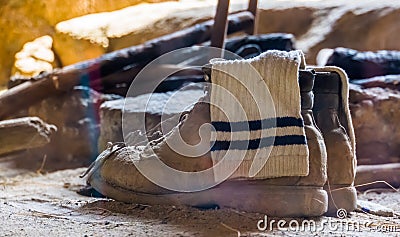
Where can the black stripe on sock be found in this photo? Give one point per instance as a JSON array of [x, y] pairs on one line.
[[254, 125], [259, 143]]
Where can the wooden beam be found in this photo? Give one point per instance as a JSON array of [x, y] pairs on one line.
[[382, 172], [220, 24], [253, 5], [91, 72], [24, 133]]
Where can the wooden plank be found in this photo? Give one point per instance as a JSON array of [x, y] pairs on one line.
[[91, 72], [383, 172], [24, 133], [253, 5], [220, 24]]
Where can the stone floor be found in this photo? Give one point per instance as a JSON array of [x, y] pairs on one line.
[[38, 204]]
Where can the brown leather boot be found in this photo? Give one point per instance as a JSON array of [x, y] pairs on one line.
[[333, 119], [316, 144], [115, 174]]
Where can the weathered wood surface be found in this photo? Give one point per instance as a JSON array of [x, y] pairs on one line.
[[24, 133], [252, 7], [244, 46], [383, 172], [387, 81], [220, 24], [92, 71]]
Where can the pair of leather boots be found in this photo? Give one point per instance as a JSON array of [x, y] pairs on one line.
[[326, 189]]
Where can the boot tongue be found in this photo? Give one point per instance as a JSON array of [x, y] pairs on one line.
[[327, 91], [306, 80], [306, 83], [327, 82], [192, 128]]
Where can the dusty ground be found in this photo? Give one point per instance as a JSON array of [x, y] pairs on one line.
[[37, 204]]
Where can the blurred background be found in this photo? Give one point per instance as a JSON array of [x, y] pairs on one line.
[[40, 35]]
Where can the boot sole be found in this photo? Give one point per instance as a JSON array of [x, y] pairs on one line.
[[343, 198], [249, 196]]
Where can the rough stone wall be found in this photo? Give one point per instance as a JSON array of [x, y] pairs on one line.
[[362, 25], [77, 119], [22, 21], [375, 113]]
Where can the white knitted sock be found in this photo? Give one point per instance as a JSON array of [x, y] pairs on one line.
[[252, 124]]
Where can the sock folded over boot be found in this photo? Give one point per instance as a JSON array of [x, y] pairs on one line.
[[260, 118], [298, 192]]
